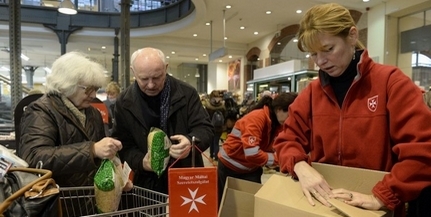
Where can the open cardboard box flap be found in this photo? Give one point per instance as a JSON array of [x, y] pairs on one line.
[[281, 195], [238, 198]]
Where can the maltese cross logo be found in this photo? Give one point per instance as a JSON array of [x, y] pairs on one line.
[[193, 200], [372, 103]]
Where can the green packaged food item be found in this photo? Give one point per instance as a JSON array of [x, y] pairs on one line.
[[108, 185], [158, 149]]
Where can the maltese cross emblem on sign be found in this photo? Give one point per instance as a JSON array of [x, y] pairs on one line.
[[193, 200]]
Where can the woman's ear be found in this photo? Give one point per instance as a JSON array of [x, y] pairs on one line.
[[353, 35]]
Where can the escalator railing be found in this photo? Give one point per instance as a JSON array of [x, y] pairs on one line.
[[6, 80], [6, 110]]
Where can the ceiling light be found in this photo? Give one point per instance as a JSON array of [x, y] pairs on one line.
[[48, 5], [207, 23], [256, 33], [195, 35], [298, 11], [230, 56], [103, 47], [167, 57], [225, 38], [295, 40], [365, 0], [196, 59], [204, 54], [220, 61], [67, 7], [173, 52], [24, 57], [228, 6], [242, 27], [268, 12], [47, 70], [197, 75]]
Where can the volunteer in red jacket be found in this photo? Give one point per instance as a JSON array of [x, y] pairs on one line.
[[359, 114], [249, 145]]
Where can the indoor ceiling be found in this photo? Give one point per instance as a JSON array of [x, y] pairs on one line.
[[42, 46]]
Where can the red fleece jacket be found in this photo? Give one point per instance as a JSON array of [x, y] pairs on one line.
[[383, 125]]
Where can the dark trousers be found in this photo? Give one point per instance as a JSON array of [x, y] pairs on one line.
[[421, 206], [215, 146], [223, 172]]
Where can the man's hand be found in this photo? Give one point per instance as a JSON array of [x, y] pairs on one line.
[[146, 163], [128, 186], [180, 147]]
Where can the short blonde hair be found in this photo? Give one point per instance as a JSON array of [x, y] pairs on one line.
[[330, 18], [112, 88]]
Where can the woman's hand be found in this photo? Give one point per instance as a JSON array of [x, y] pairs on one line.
[[365, 201], [313, 184], [107, 148]]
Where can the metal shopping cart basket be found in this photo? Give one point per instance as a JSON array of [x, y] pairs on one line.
[[80, 201]]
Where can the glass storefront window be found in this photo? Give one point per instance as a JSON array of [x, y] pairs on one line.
[[414, 31]]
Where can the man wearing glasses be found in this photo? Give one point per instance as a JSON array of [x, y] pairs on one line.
[[157, 99]]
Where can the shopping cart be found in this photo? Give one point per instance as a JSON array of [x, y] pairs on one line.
[[80, 201]]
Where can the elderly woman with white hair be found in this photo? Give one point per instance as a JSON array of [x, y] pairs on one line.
[[62, 129]]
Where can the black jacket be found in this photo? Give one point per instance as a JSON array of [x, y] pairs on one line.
[[52, 134], [186, 116]]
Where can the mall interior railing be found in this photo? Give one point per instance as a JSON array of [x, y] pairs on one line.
[[104, 5]]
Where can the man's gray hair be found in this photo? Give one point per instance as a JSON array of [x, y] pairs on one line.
[[146, 50]]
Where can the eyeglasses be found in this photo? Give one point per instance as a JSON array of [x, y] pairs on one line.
[[89, 89]]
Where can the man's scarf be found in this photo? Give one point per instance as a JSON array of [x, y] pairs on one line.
[[164, 105]]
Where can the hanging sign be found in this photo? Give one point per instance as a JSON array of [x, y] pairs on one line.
[[193, 192], [101, 107]]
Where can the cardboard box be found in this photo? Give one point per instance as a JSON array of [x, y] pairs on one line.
[[238, 198], [282, 196]]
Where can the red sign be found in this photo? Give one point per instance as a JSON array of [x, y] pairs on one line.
[[193, 192], [103, 111]]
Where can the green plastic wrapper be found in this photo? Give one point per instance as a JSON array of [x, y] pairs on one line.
[[158, 148], [104, 178], [108, 185]]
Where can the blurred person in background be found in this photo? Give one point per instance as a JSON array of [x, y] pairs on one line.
[[112, 91], [249, 146], [214, 105], [359, 113]]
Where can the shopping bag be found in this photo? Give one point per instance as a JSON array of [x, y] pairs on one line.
[[25, 193], [193, 191]]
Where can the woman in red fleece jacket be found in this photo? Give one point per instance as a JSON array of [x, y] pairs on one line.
[[359, 114], [249, 145]]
